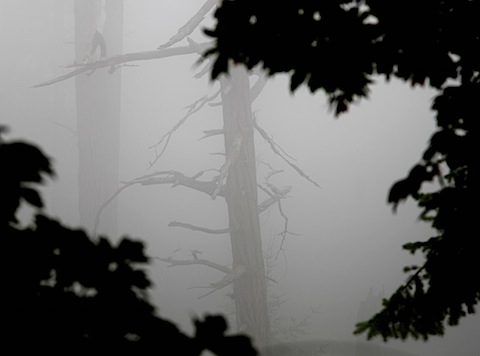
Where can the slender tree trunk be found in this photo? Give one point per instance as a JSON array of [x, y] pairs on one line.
[[241, 196], [98, 111]]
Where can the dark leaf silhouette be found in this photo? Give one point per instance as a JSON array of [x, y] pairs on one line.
[[32, 197]]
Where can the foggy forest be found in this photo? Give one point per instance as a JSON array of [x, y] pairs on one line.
[[146, 146]]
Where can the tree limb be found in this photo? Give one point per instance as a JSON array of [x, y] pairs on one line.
[[210, 133], [191, 24], [276, 150], [236, 273], [272, 199], [196, 261], [114, 61], [258, 86], [198, 228], [176, 178]]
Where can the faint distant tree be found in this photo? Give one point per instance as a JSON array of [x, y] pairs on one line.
[[339, 47], [98, 108], [235, 181]]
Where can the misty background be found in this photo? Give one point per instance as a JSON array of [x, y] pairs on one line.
[[345, 242]]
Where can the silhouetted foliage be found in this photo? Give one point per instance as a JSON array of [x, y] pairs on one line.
[[338, 47], [65, 293]]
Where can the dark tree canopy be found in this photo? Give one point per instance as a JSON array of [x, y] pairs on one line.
[[65, 293], [340, 47]]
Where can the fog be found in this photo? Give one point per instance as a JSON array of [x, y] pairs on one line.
[[345, 240]]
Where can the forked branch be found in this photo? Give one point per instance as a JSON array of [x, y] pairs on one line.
[[192, 109]]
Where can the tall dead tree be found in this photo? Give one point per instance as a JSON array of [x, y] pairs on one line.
[[249, 291]]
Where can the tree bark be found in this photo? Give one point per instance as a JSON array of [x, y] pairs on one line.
[[250, 293]]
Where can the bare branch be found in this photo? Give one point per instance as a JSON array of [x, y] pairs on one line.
[[205, 70], [191, 24], [197, 261], [199, 103], [210, 133], [276, 150], [176, 178], [275, 196], [275, 147], [199, 228], [192, 108], [225, 281], [285, 228], [258, 86], [273, 171], [104, 205], [164, 177], [230, 274], [115, 61], [272, 199]]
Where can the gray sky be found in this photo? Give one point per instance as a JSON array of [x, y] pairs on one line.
[[347, 239]]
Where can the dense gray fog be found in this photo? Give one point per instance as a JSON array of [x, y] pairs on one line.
[[343, 252]]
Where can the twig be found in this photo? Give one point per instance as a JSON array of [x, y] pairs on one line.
[[193, 108], [275, 149]]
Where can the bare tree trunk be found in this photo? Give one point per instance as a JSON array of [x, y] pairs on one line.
[[241, 196], [98, 111]]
